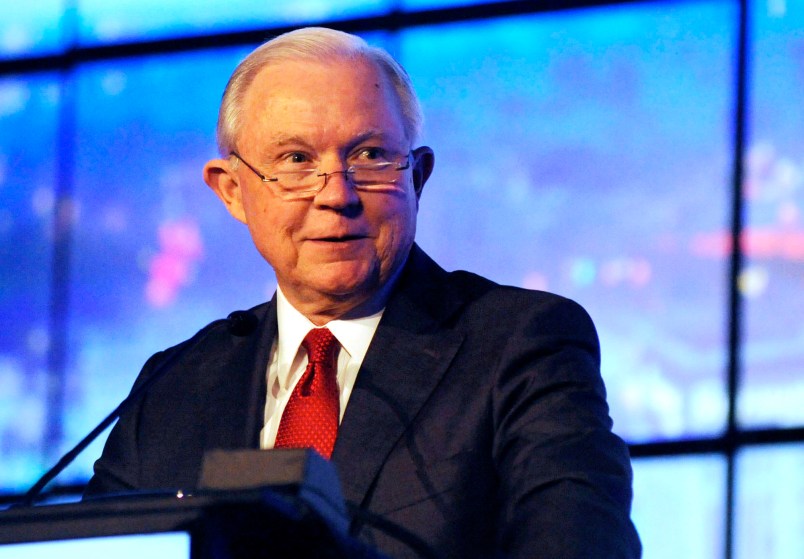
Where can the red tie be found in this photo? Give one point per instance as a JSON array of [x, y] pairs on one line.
[[311, 416]]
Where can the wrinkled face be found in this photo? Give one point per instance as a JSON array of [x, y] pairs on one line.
[[342, 246]]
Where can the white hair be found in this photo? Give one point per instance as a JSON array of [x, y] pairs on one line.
[[316, 44]]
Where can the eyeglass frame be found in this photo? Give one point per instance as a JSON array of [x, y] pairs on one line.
[[352, 169]]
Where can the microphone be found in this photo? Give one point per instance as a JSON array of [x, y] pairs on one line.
[[239, 323], [242, 323]]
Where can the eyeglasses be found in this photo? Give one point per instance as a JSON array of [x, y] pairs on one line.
[[306, 183]]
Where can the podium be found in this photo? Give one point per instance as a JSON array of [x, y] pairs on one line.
[[250, 504]]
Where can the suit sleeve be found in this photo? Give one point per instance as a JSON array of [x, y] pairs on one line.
[[565, 478]]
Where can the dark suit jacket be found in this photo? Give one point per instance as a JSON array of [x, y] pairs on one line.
[[478, 421]]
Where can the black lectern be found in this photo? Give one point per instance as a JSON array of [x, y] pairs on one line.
[[250, 504]]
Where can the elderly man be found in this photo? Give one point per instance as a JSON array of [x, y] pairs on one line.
[[471, 414]]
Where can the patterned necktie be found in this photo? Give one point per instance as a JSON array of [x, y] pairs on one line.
[[311, 416]]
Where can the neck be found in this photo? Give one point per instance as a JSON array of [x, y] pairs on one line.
[[323, 308]]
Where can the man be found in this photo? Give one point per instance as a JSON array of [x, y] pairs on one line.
[[471, 414]]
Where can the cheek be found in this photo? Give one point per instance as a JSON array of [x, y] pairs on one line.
[[271, 229], [397, 229]]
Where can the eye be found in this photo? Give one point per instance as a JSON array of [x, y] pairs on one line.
[[370, 155], [297, 157], [293, 161]]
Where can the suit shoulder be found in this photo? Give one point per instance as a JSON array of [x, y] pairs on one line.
[[493, 310], [483, 291]]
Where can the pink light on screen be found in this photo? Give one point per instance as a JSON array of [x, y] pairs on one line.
[[758, 243], [171, 269]]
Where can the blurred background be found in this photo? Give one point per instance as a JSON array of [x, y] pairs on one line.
[[643, 158]]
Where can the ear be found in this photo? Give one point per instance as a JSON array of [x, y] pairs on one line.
[[423, 163], [222, 179]]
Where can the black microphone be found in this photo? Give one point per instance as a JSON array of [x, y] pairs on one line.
[[240, 323]]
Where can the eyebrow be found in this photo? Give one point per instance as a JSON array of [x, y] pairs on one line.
[[281, 140], [370, 134]]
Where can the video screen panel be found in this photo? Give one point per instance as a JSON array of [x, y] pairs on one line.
[[588, 153], [29, 108], [680, 505], [171, 545], [770, 489], [772, 281]]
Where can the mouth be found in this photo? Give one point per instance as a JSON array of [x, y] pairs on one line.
[[340, 239]]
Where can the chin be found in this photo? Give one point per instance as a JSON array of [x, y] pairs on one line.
[[345, 281], [352, 288]]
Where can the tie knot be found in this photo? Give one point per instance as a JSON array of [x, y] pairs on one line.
[[321, 345]]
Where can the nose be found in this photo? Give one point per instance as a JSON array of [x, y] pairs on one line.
[[338, 191]]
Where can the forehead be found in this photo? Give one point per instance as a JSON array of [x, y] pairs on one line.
[[322, 99]]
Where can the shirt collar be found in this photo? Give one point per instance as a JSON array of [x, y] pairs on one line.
[[354, 335]]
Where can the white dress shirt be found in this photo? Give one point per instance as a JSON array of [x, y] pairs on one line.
[[289, 360]]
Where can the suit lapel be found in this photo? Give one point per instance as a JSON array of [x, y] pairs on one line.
[[233, 410], [408, 356]]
